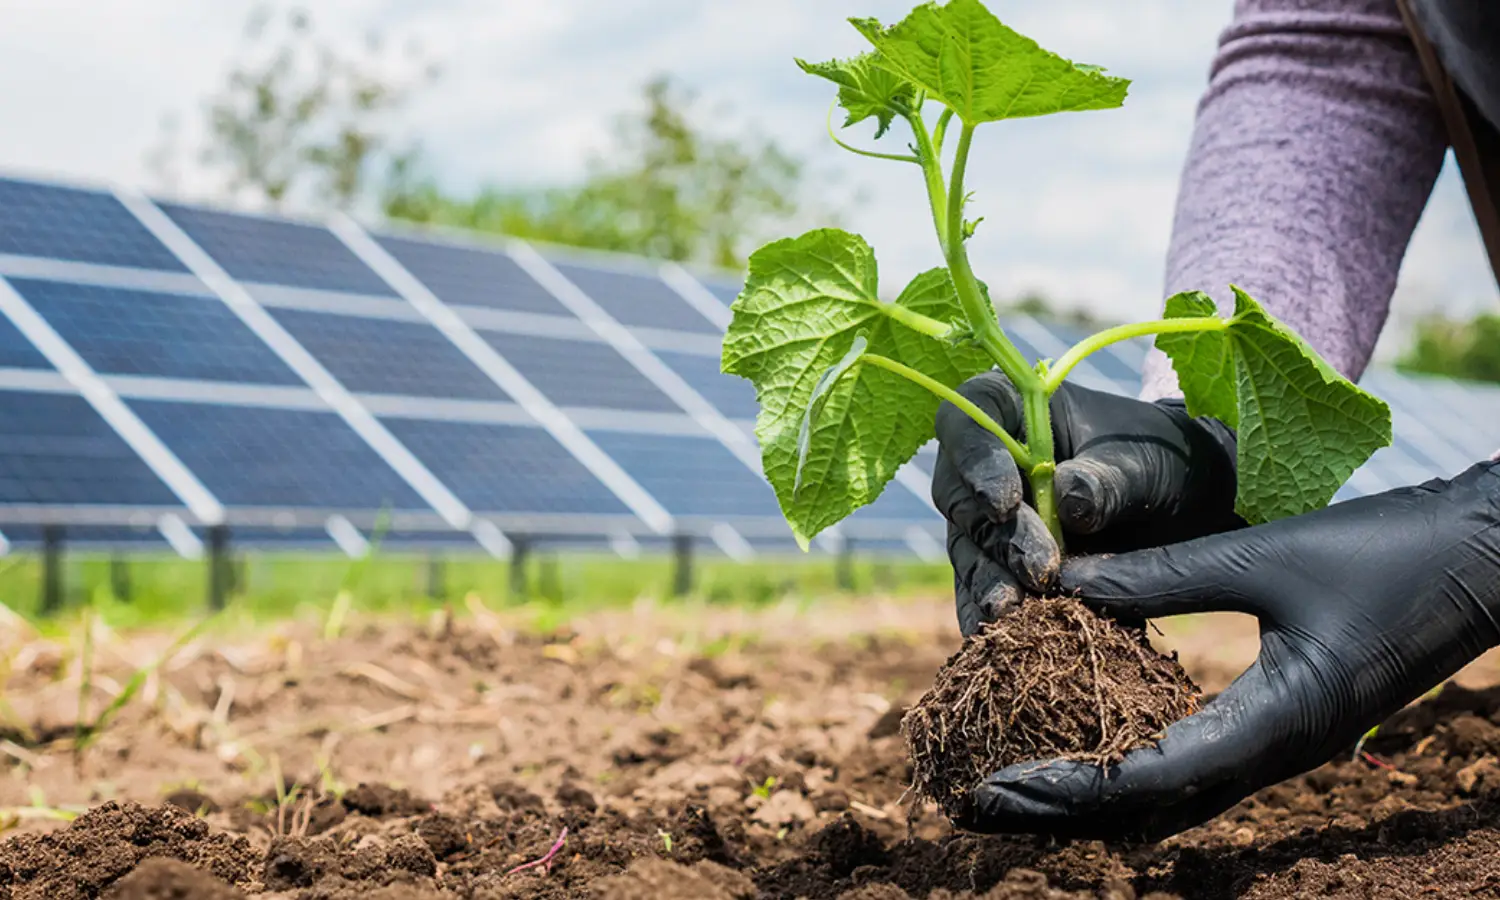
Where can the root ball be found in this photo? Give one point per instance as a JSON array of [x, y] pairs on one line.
[[1051, 680]]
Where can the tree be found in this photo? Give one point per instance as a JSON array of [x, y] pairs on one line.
[[666, 187], [1455, 349], [301, 121]]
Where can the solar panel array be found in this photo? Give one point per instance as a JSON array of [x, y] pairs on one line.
[[167, 368]]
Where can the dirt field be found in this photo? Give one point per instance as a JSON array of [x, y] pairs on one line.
[[650, 754]]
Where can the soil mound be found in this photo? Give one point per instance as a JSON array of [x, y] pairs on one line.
[[103, 845], [168, 879], [1053, 680]]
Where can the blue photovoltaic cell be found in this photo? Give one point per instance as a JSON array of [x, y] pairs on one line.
[[1414, 453], [1113, 362], [55, 449], [273, 251], [730, 394], [127, 332], [16, 352], [883, 550], [726, 291], [381, 356], [98, 535], [896, 502], [580, 373], [77, 225], [473, 277], [641, 300], [506, 468], [282, 458], [926, 458], [690, 476]]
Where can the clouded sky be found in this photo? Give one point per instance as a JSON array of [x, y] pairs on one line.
[[1078, 206]]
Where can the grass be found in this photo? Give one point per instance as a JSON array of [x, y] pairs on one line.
[[166, 590]]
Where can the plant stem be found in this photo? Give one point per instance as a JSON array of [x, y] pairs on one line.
[[981, 316], [1038, 416], [894, 157], [932, 170], [941, 131], [1036, 457], [1075, 355], [1022, 455], [916, 321]]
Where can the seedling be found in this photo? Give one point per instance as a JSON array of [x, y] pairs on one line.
[[763, 790], [88, 730], [849, 383]]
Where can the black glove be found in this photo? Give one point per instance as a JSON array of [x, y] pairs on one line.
[[1130, 475], [1363, 606]]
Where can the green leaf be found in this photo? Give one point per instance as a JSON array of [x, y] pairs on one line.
[[826, 383], [962, 56], [806, 303], [1303, 427], [866, 89]]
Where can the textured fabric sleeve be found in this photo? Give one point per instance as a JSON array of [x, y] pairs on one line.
[[1316, 147]]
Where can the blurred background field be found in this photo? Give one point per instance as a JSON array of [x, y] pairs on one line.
[[163, 591]]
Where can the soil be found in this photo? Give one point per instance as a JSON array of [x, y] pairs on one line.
[[651, 756], [1052, 681]]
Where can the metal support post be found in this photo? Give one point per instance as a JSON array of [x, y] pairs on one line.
[[219, 573], [682, 575], [119, 578], [52, 569], [549, 580], [437, 577], [844, 566], [520, 554]]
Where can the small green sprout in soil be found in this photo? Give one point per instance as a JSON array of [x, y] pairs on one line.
[[849, 383]]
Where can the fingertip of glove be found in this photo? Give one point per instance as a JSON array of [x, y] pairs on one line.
[[1031, 552], [1000, 496], [1088, 495]]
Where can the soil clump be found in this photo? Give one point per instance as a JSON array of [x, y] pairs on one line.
[[1051, 681]]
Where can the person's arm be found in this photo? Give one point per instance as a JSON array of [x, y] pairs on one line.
[[1316, 147]]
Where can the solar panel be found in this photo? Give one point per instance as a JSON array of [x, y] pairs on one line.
[[381, 356], [280, 458], [726, 291], [506, 468], [472, 277], [16, 352], [731, 395], [580, 373], [129, 332], [273, 251], [690, 476], [896, 502], [636, 300], [77, 225], [55, 450]]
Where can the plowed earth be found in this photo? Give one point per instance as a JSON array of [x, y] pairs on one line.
[[466, 760]]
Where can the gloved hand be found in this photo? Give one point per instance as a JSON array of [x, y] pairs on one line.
[[1130, 475], [1363, 606]]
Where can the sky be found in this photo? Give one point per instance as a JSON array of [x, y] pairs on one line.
[[1077, 207]]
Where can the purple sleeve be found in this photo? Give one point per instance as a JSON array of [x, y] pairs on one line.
[[1316, 147]]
